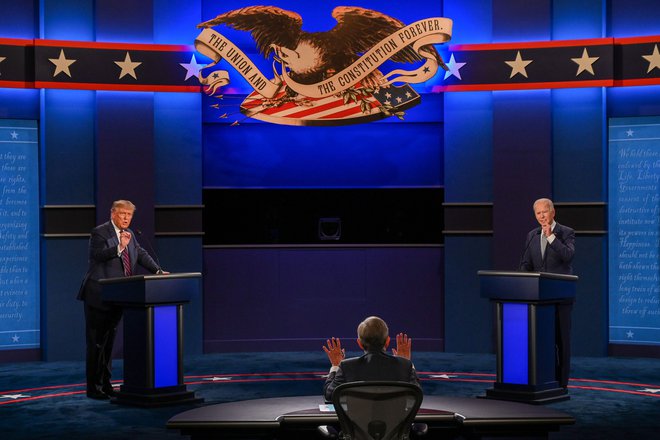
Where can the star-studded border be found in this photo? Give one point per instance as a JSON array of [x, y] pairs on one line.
[[98, 66], [600, 62]]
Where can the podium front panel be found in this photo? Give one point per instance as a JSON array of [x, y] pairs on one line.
[[527, 338], [515, 343], [166, 346]]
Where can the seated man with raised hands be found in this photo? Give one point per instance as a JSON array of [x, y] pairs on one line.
[[375, 364]]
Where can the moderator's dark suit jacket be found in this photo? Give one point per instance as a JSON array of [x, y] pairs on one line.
[[105, 263], [371, 366], [558, 255]]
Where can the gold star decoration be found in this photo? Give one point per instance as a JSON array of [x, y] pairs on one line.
[[127, 66], [585, 63], [653, 59], [62, 64], [518, 66]]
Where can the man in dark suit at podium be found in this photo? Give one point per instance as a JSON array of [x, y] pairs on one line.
[[550, 248], [375, 363], [113, 252]]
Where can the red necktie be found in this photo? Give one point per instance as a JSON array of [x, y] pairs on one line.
[[126, 260]]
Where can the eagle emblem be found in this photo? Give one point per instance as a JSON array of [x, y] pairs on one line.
[[330, 77]]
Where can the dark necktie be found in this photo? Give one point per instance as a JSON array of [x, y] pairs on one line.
[[126, 260]]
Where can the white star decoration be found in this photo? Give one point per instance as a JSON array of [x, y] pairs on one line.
[[585, 63], [14, 135], [15, 338], [61, 64], [630, 132], [653, 59], [127, 66], [215, 378], [454, 68], [630, 334], [13, 396], [192, 68], [518, 66]]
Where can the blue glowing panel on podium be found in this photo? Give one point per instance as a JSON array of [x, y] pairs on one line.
[[166, 346], [515, 342], [634, 230], [19, 235]]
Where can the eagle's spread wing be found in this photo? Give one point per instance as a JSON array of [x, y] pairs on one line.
[[267, 24], [359, 29]]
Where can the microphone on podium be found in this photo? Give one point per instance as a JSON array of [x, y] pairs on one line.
[[522, 257], [153, 252]]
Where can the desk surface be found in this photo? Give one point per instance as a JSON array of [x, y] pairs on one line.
[[437, 410]]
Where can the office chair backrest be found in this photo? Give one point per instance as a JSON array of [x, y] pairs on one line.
[[376, 410]]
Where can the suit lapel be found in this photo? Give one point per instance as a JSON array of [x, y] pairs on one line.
[[113, 240]]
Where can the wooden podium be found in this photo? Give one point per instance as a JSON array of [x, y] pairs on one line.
[[526, 305], [153, 336]]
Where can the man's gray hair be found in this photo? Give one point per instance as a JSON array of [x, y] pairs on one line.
[[373, 333], [546, 202]]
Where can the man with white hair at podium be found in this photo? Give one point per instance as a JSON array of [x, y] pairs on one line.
[[550, 248]]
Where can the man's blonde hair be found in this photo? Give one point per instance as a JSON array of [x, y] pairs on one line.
[[122, 204]]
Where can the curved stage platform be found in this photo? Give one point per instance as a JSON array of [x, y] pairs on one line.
[[298, 417]]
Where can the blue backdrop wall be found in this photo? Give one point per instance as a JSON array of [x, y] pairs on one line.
[[98, 146], [491, 152]]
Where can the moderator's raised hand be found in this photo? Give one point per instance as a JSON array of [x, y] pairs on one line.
[[403, 346], [334, 351]]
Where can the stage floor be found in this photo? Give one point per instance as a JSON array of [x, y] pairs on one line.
[[611, 398]]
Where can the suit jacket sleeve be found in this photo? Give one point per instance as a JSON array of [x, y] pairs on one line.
[[333, 380], [102, 246], [413, 377], [564, 245]]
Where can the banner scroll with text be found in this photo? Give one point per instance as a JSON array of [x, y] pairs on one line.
[[634, 230], [19, 235]]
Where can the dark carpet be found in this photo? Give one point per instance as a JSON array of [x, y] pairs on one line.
[[611, 398]]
